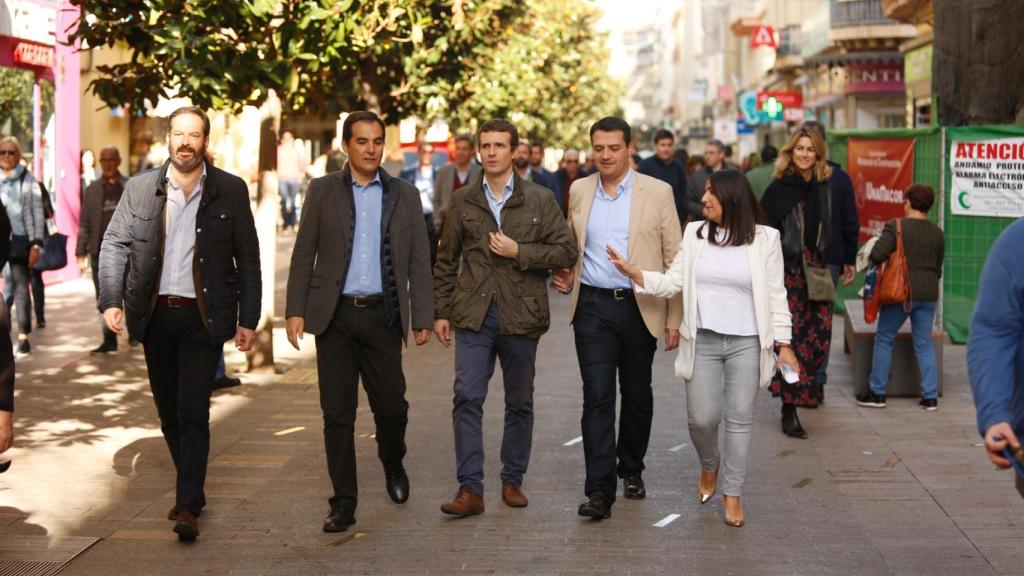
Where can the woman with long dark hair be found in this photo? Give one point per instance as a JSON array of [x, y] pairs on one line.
[[798, 204], [729, 269]]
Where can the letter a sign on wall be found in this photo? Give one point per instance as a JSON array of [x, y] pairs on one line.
[[763, 35]]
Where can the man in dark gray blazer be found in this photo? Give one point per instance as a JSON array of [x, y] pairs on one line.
[[100, 200], [360, 257], [185, 236]]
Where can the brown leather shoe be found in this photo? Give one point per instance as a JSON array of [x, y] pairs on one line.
[[186, 526], [466, 503], [173, 512], [513, 495]]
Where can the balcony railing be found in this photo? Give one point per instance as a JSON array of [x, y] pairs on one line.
[[848, 13], [789, 41]]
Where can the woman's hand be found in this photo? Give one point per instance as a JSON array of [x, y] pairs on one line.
[[625, 267], [787, 357]]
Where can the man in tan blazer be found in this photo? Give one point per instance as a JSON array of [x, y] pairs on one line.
[[616, 330], [461, 171]]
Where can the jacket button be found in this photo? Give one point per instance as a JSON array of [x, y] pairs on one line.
[[204, 290], [223, 216], [198, 230], [200, 260]]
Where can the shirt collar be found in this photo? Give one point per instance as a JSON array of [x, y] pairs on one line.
[[167, 178], [506, 191], [624, 187], [376, 180]]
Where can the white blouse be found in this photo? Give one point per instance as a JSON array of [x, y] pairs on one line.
[[725, 296]]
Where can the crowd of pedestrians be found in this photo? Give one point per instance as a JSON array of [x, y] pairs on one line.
[[737, 272]]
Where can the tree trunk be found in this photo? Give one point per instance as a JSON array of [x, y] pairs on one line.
[[261, 357], [977, 66]]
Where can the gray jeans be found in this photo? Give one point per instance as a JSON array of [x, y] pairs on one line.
[[725, 382]]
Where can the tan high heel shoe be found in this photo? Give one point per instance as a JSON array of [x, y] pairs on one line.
[[706, 485], [733, 511]]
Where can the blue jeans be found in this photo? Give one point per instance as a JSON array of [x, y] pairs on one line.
[[289, 192], [890, 318]]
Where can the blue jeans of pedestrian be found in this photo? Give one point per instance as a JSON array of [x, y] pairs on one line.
[[890, 318], [475, 353], [289, 192]]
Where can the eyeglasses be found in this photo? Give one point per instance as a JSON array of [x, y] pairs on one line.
[[8, 152]]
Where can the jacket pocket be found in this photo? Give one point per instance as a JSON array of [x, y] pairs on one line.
[[525, 229], [223, 223]]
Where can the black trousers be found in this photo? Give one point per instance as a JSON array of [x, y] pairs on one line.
[[357, 345], [181, 360], [431, 237], [612, 340]]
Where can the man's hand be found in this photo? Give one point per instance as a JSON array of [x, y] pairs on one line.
[[33, 255], [112, 317], [244, 338], [443, 330], [6, 431], [421, 336], [82, 261], [849, 275], [562, 280], [997, 438], [296, 328], [503, 245], [671, 339]]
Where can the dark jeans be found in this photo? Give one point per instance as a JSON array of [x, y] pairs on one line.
[[475, 353], [822, 374], [38, 296], [612, 340], [357, 345], [181, 359], [108, 336], [16, 282]]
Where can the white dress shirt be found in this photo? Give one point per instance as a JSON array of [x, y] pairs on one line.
[[725, 296], [180, 239]]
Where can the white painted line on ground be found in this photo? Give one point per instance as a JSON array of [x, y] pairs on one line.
[[666, 520], [575, 440], [678, 448], [288, 431]]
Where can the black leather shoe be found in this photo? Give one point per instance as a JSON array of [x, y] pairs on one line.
[[633, 487], [398, 485], [596, 507], [791, 422], [104, 348], [339, 520], [226, 382]]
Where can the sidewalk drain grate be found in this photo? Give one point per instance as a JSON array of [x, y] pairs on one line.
[[40, 555]]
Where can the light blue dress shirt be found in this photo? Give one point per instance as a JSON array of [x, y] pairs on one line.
[[496, 204], [364, 276], [608, 225], [180, 240]]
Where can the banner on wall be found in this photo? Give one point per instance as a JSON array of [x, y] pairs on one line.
[[881, 170], [987, 176]]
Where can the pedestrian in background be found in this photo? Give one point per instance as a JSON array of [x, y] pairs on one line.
[[100, 201], [490, 285], [797, 203], [924, 246], [664, 166], [712, 161], [995, 352], [22, 199], [452, 176], [735, 315], [193, 283], [616, 330], [761, 176], [569, 172], [421, 175], [291, 168]]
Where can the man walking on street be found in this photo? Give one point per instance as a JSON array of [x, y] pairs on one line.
[[664, 166], [542, 175], [453, 176], [503, 235], [525, 171], [616, 330], [100, 200], [360, 257], [714, 160], [566, 175], [194, 283], [422, 177]]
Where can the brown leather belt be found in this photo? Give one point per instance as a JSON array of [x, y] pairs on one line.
[[175, 301], [364, 301]]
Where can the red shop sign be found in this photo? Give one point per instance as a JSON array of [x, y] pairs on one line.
[[787, 99], [34, 55], [763, 35]]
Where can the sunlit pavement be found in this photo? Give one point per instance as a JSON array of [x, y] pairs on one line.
[[894, 491]]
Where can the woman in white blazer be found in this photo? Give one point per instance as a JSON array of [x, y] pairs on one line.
[[735, 318]]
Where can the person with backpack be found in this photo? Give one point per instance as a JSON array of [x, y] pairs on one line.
[[22, 199]]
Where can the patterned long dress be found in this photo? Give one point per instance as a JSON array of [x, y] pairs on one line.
[[812, 336]]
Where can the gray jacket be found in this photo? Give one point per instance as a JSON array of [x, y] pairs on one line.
[[90, 236], [225, 266], [31, 208]]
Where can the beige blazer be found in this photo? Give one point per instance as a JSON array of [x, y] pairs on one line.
[[444, 189], [774, 323], [654, 237]]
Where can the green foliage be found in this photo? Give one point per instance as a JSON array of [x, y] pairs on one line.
[[537, 63], [16, 104]]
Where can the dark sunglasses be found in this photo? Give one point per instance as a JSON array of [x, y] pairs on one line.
[[8, 152]]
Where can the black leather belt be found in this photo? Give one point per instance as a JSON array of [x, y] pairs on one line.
[[614, 293], [175, 301], [364, 301]]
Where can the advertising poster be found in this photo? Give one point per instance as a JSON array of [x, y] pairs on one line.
[[880, 170]]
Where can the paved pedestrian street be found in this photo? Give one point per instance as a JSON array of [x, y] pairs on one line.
[[894, 491]]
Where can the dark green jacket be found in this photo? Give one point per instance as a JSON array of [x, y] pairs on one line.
[[468, 276]]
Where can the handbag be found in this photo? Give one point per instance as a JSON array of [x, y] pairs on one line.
[[55, 253], [894, 281], [820, 287]]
